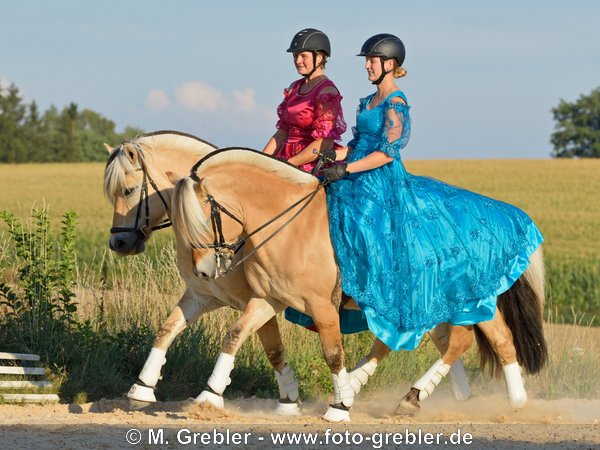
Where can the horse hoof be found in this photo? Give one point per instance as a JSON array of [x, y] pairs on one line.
[[409, 405], [287, 409], [141, 394], [335, 415], [210, 398]]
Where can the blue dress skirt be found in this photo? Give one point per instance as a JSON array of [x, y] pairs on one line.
[[414, 251]]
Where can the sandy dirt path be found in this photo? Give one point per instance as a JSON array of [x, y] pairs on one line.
[[484, 422]]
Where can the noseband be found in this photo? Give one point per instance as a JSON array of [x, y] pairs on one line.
[[145, 230]]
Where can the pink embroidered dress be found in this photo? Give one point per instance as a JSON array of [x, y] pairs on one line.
[[308, 117]]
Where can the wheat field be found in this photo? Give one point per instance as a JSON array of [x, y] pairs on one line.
[[560, 195]]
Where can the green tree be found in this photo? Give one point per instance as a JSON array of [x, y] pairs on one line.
[[66, 135], [35, 131], [12, 116], [577, 129]]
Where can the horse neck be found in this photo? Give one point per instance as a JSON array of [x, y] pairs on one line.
[[261, 195], [170, 159]]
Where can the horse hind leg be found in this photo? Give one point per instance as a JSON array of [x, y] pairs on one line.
[[187, 311], [459, 382], [288, 385], [500, 338], [461, 339]]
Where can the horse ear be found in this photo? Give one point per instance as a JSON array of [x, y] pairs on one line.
[[108, 148], [130, 153], [173, 177]]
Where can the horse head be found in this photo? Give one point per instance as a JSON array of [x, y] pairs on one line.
[[206, 226], [136, 184]]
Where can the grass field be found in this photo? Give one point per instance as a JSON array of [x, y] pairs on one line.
[[560, 195], [122, 301]]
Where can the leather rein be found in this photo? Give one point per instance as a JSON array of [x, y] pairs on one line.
[[225, 252]]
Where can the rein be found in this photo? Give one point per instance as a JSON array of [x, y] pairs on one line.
[[225, 252], [145, 230]]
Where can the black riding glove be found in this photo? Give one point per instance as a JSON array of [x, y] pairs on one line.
[[329, 155], [335, 172]]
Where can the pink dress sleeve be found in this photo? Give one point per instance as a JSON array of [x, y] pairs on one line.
[[329, 119]]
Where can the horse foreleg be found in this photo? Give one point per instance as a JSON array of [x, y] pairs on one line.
[[189, 308], [257, 313], [459, 382], [461, 339], [359, 375], [327, 321], [501, 339]]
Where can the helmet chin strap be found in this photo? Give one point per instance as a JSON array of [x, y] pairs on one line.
[[308, 75], [383, 74]]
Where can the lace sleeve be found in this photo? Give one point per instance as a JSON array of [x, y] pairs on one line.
[[396, 128], [329, 118]]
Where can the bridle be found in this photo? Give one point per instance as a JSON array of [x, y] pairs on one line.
[[224, 251], [145, 230]]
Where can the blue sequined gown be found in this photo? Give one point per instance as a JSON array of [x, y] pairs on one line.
[[414, 251]]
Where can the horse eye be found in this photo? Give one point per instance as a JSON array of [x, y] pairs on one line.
[[128, 191]]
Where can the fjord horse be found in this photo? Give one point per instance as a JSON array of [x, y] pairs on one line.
[[224, 210], [136, 184]]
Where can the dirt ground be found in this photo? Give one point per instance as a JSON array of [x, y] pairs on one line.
[[483, 422]]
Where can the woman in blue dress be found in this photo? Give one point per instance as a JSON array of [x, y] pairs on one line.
[[414, 251]]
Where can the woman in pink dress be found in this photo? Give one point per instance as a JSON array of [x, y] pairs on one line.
[[310, 115]]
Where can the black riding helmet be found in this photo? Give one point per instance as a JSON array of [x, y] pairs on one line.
[[310, 40], [385, 46]]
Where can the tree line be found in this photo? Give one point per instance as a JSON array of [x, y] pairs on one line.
[[67, 135], [72, 135]]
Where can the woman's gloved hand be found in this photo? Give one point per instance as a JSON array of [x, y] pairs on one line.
[[335, 172]]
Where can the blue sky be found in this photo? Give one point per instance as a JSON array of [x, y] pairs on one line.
[[482, 76]]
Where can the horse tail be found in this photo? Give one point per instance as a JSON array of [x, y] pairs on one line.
[[522, 307], [189, 221]]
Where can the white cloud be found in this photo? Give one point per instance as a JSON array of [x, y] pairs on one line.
[[157, 100], [244, 99], [199, 96]]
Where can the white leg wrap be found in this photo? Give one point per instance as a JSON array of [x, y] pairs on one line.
[[428, 382], [515, 385], [141, 393], [219, 379], [359, 376], [210, 398], [288, 385], [342, 390], [150, 373], [459, 383]]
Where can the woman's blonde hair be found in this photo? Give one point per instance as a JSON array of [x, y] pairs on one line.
[[398, 70]]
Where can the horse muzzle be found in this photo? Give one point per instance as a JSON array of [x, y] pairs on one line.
[[126, 244]]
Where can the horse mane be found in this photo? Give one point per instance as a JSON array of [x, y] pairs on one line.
[[249, 156], [119, 166], [189, 221]]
